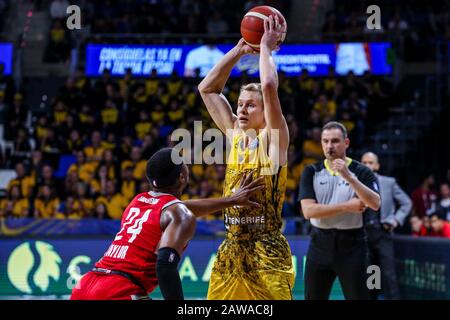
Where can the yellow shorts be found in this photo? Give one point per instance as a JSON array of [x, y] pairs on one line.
[[253, 270], [269, 286]]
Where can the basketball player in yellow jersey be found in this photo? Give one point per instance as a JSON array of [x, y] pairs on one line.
[[254, 261]]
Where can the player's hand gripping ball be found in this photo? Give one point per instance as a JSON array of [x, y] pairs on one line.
[[252, 25]]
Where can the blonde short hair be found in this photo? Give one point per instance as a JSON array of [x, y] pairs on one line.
[[254, 87]]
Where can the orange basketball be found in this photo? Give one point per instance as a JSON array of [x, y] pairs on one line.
[[252, 25]]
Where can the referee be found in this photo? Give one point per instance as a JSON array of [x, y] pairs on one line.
[[334, 194]]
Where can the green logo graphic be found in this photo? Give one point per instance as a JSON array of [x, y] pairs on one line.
[[21, 262]]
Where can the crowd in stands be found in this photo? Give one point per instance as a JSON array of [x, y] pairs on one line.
[[86, 155], [160, 17], [416, 25], [431, 208], [109, 126]]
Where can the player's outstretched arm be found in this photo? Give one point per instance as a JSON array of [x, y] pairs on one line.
[[242, 197], [273, 114], [178, 226], [212, 86]]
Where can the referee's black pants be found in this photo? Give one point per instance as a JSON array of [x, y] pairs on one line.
[[336, 253], [381, 253]]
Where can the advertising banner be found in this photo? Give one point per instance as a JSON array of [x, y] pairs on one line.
[[186, 59], [50, 268]]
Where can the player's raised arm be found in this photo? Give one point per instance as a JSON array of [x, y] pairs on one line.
[[273, 114], [212, 86], [178, 226]]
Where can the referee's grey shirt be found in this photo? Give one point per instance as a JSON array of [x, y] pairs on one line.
[[320, 183]]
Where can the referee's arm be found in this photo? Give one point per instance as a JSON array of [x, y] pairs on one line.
[[365, 186], [312, 209]]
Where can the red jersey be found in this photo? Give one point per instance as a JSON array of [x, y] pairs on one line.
[[444, 233], [423, 200], [422, 233], [133, 250]]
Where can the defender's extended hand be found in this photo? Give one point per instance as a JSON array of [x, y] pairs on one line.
[[247, 188]]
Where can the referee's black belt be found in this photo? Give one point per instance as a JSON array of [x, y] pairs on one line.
[[120, 273], [340, 231]]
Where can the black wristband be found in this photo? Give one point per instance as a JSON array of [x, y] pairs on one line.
[[167, 273]]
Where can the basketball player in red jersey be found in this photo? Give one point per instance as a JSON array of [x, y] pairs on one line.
[[155, 230]]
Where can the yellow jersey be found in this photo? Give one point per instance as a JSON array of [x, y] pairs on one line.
[[254, 261]]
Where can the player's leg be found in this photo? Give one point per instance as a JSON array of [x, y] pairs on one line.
[[94, 286], [277, 285], [81, 290], [228, 287]]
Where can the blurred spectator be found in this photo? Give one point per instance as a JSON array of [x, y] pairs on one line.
[[58, 9], [312, 148], [83, 169], [98, 183], [70, 209], [110, 116], [136, 162], [444, 201], [58, 48], [100, 212], [74, 142], [86, 204], [36, 165], [326, 108], [94, 151], [16, 117], [70, 183], [439, 227], [397, 25], [128, 185], [424, 198], [51, 146], [21, 147], [143, 126], [24, 182], [47, 178], [15, 204], [113, 201], [417, 227], [46, 204]]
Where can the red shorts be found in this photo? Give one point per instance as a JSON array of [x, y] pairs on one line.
[[98, 286]]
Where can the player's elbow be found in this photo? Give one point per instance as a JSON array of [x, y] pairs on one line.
[[306, 212], [205, 88], [202, 87], [269, 85], [376, 203]]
